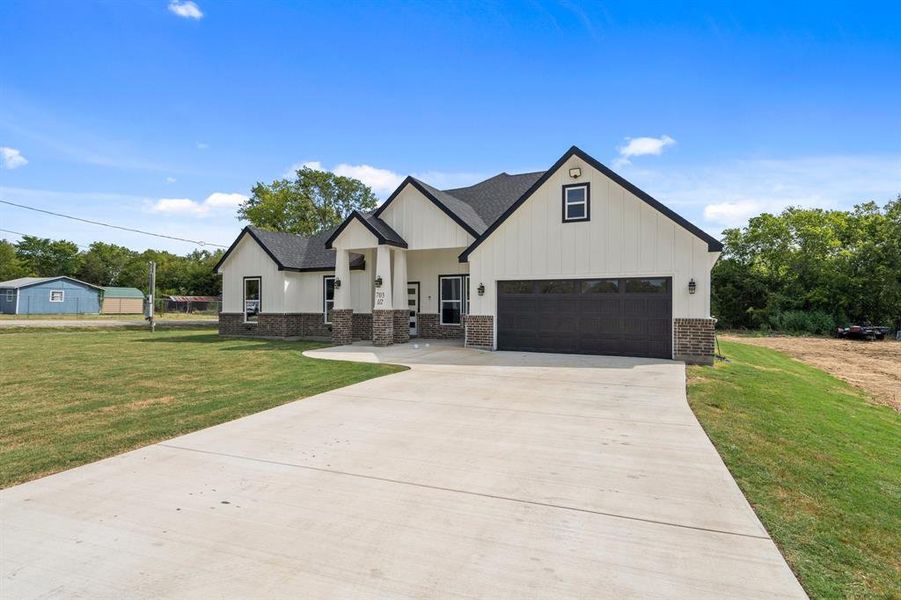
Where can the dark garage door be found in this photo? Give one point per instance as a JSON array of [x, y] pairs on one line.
[[627, 317]]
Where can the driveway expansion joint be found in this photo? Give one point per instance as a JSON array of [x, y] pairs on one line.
[[466, 492]]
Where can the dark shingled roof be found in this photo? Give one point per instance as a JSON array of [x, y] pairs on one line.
[[383, 231], [479, 209], [293, 252], [490, 198]]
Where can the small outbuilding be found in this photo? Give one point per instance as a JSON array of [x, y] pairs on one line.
[[49, 296], [122, 301]]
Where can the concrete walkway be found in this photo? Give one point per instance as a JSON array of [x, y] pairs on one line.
[[474, 474]]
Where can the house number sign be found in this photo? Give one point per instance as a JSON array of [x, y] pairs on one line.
[[379, 298]]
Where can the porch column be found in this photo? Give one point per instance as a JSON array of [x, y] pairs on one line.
[[383, 306], [342, 312], [401, 311]]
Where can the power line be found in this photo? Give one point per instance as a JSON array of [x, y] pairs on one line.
[[159, 235]]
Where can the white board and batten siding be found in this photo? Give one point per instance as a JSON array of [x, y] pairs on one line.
[[422, 224], [625, 237], [248, 259], [283, 291]]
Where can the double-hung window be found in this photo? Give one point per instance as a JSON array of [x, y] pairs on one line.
[[253, 291], [576, 202], [57, 295], [453, 293], [10, 295], [328, 297]]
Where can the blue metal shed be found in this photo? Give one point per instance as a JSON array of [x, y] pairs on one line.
[[48, 296]]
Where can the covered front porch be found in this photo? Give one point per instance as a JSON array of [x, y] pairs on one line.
[[412, 293]]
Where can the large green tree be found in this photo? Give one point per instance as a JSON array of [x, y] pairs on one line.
[[10, 265], [837, 266], [307, 204], [43, 257], [111, 265]]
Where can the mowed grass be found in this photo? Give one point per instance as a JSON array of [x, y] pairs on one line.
[[70, 398], [820, 464]]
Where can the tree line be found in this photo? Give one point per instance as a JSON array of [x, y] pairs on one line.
[[111, 265], [811, 270]]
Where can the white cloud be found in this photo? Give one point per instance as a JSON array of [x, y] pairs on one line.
[[382, 181], [385, 181], [642, 146], [170, 180], [202, 145], [10, 158], [177, 206], [185, 206], [223, 200], [185, 9]]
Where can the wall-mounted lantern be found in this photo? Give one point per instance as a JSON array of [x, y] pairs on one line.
[[481, 289], [378, 281], [337, 283], [575, 172], [692, 286]]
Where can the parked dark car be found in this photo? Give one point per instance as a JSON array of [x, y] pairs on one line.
[[862, 332]]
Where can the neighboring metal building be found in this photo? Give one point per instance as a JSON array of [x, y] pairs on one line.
[[48, 296], [122, 301]]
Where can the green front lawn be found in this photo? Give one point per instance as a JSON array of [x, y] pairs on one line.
[[819, 463], [69, 398]]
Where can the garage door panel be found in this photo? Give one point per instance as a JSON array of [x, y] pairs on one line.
[[631, 317]]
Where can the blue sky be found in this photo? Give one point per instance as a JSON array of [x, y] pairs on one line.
[[161, 115]]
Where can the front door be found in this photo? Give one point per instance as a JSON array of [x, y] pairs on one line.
[[413, 307]]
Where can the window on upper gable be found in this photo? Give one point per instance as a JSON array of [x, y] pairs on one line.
[[576, 202]]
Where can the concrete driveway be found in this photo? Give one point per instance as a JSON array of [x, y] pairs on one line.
[[474, 474]]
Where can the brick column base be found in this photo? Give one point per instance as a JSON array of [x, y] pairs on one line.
[[362, 326], [693, 340], [382, 327], [401, 326], [342, 326], [479, 331]]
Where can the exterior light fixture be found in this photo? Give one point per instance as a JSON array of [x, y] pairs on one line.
[[337, 283], [575, 172], [481, 289], [692, 286], [378, 281]]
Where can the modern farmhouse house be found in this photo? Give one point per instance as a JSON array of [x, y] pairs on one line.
[[573, 259]]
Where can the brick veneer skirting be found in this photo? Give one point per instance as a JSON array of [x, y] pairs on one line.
[[430, 327], [275, 325], [401, 326], [382, 327], [479, 331], [342, 326], [362, 326], [693, 340]]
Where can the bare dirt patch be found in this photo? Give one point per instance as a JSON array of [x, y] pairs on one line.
[[874, 367]]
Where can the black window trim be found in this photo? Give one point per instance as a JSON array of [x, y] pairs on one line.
[[325, 279], [244, 298], [587, 186], [464, 298]]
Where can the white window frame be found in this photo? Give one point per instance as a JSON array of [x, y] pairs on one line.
[[567, 203], [10, 295], [259, 281], [325, 300], [62, 296], [463, 301]]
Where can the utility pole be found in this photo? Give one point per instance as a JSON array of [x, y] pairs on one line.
[[151, 295]]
